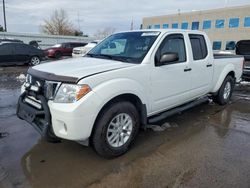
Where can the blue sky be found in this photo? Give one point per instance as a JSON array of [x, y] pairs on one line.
[[27, 16]]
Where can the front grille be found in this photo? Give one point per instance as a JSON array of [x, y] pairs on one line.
[[247, 63], [47, 89], [50, 89]]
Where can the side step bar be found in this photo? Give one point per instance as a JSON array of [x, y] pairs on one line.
[[176, 110]]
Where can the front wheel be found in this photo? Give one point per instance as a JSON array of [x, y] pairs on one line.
[[115, 129], [225, 91], [58, 55], [50, 136]]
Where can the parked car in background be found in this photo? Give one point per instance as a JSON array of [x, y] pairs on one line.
[[82, 51], [19, 53], [243, 48], [64, 49]]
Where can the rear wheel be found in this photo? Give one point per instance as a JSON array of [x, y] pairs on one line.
[[225, 91], [115, 129], [35, 60], [51, 137]]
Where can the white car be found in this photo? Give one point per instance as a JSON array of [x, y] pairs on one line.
[[82, 51], [128, 80]]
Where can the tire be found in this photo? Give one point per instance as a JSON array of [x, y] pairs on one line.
[[112, 136], [58, 55], [51, 137], [225, 91], [35, 60]]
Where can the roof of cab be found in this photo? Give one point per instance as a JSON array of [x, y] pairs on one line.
[[165, 31]]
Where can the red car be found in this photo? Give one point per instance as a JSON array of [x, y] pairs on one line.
[[64, 49]]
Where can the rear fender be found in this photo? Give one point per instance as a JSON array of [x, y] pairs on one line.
[[229, 68]]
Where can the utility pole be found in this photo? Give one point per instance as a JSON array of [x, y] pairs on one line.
[[4, 16], [79, 21]]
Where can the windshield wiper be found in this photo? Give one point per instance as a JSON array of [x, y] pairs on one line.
[[100, 56], [106, 56]]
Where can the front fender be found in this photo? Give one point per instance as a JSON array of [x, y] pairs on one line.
[[115, 87]]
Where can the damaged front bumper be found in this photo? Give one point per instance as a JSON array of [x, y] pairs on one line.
[[33, 108]]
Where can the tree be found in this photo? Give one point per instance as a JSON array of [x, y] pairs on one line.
[[101, 34], [58, 24], [1, 28]]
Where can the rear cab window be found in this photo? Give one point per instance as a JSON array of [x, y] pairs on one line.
[[199, 46]]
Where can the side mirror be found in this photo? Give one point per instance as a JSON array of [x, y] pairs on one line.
[[168, 58]]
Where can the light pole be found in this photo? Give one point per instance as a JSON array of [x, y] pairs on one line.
[[4, 16]]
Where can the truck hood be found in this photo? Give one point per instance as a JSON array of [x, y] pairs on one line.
[[80, 67]]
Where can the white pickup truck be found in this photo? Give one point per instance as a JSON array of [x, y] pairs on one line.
[[126, 81]]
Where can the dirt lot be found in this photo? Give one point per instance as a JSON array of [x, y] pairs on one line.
[[207, 146]]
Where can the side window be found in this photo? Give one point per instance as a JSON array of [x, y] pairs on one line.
[[66, 45], [173, 44], [199, 46], [21, 49]]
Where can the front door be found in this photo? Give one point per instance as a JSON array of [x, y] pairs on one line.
[[171, 81]]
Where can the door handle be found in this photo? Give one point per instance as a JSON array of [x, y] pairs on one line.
[[187, 69], [209, 65]]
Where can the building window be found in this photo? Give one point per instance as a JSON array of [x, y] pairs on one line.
[[175, 25], [157, 26], [217, 45], [247, 22], [165, 26], [234, 22], [184, 25], [195, 25], [207, 24], [219, 23], [230, 45]]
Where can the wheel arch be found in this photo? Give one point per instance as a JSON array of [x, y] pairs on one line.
[[226, 72], [134, 99]]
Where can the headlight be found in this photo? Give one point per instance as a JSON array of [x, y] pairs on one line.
[[70, 93]]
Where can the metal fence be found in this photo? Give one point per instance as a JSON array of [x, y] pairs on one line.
[[46, 40]]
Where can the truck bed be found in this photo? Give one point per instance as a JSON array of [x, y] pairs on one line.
[[221, 56]]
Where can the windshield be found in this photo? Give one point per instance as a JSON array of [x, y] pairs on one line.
[[129, 47]]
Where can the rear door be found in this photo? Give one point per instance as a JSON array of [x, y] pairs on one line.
[[202, 66], [171, 82]]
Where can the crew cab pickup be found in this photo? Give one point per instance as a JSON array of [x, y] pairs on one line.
[[125, 82]]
